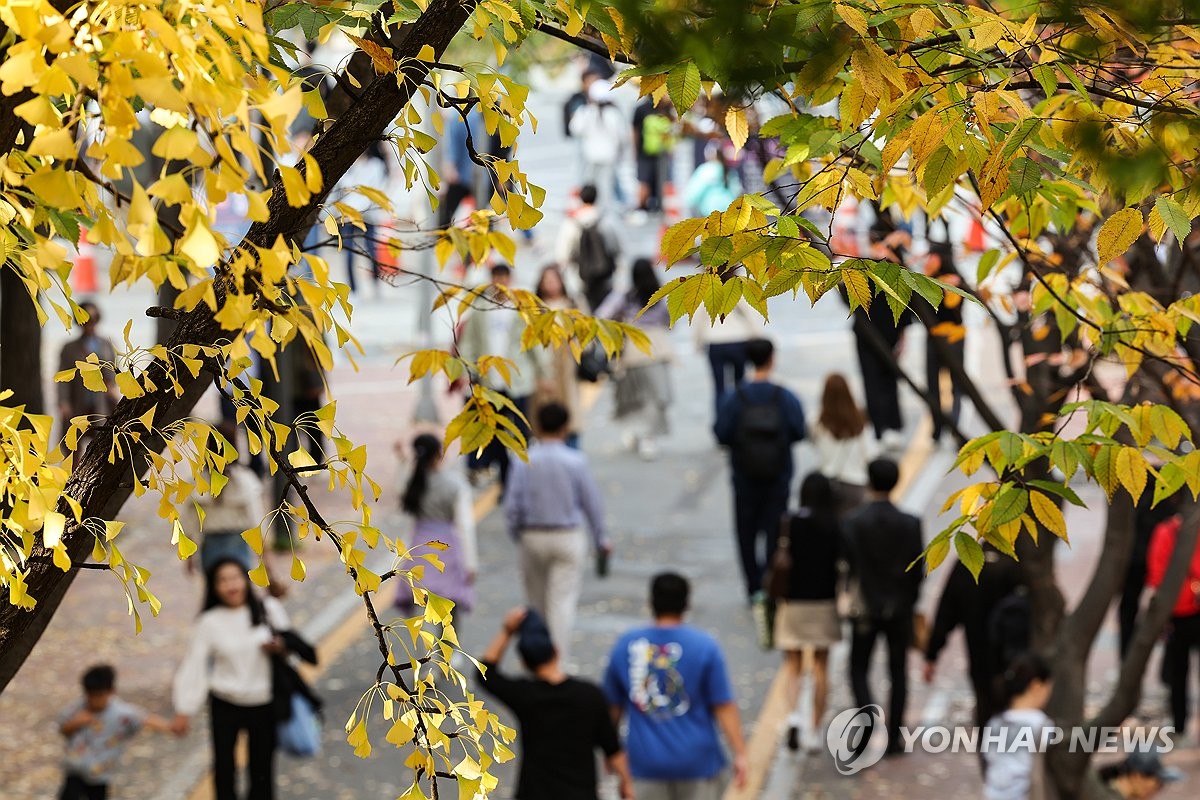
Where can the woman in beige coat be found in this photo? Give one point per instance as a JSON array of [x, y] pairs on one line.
[[560, 383]]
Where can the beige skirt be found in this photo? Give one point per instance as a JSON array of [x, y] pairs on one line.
[[806, 623]]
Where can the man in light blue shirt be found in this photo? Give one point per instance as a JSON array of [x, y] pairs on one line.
[[548, 501]]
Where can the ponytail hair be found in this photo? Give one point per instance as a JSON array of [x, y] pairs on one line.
[[1020, 674], [428, 449]]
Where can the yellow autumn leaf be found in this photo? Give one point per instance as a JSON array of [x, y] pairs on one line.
[[53, 525], [199, 243], [737, 127], [1049, 514], [1117, 234]]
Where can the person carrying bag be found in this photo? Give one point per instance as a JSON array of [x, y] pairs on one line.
[[297, 707]]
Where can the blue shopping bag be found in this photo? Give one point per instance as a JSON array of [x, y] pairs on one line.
[[301, 734]]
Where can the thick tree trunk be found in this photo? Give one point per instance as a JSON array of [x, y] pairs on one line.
[[102, 488], [20, 344]]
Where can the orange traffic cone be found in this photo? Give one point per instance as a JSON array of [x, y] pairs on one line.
[[976, 237], [387, 251], [83, 273]]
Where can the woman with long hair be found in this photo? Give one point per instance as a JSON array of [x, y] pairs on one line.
[[562, 382], [843, 447], [228, 664], [806, 616], [643, 385], [440, 503]]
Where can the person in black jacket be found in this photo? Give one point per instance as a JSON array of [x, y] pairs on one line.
[[972, 605], [881, 542], [563, 720], [806, 616]]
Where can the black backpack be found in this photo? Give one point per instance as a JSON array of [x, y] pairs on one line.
[[596, 262], [761, 446]]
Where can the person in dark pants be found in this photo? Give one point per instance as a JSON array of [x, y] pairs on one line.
[[948, 330], [759, 423], [971, 605], [1185, 618], [878, 329], [1146, 517], [228, 664], [881, 541], [458, 170]]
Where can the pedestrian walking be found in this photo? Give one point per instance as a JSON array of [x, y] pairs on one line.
[[493, 327], [75, 399], [240, 506], [946, 336], [1147, 516], [843, 448], [724, 342], [561, 381], [670, 682], [641, 381], [714, 184], [228, 664], [563, 720], [878, 340], [1016, 769], [551, 497], [589, 247], [972, 605], [653, 141], [882, 541], [97, 729], [806, 615], [601, 129], [440, 503], [759, 423], [1184, 637], [458, 170], [369, 170]]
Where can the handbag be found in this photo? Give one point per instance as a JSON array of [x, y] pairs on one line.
[[849, 601], [297, 707], [300, 735], [779, 571]]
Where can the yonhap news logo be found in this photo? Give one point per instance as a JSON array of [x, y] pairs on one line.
[[857, 739]]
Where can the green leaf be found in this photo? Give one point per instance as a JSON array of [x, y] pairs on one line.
[[1175, 217], [1024, 176], [969, 553], [940, 171], [1060, 490], [1009, 505], [683, 84], [987, 262]]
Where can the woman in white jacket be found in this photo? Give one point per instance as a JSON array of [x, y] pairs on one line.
[[228, 665], [843, 447]]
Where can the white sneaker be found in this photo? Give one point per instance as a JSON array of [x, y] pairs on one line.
[[647, 449], [893, 440], [813, 741]]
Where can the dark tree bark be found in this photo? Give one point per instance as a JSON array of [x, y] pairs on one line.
[[20, 344], [102, 488]]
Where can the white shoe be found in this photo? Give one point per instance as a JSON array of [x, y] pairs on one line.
[[647, 449], [629, 441], [813, 741], [893, 440]]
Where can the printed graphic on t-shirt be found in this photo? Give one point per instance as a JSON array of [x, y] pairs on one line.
[[655, 685]]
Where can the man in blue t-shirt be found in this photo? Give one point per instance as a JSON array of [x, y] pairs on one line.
[[670, 680]]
